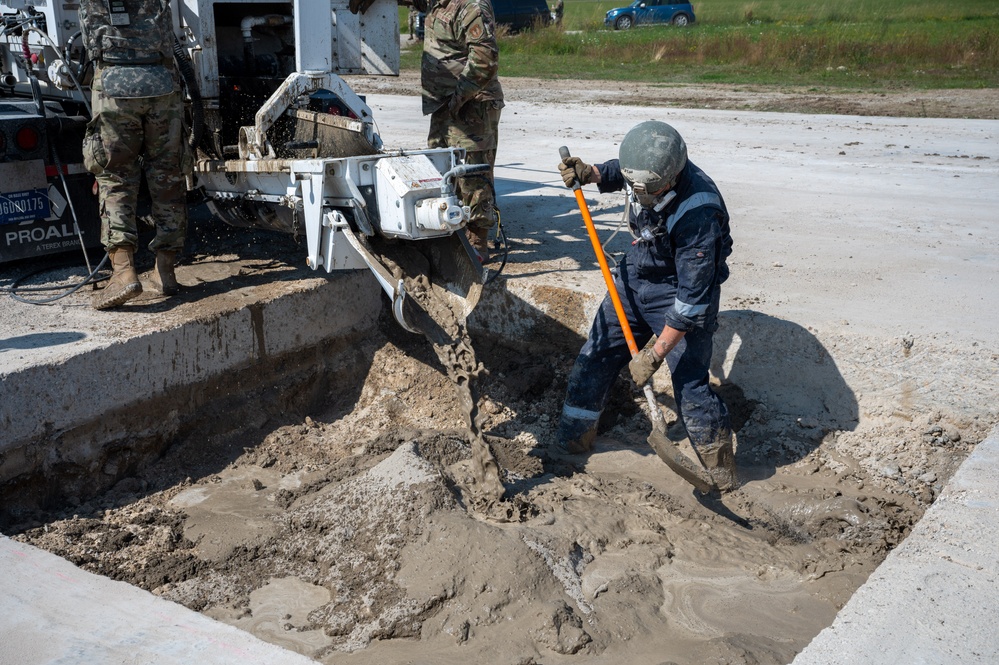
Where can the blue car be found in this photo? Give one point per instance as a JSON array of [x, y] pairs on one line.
[[645, 12]]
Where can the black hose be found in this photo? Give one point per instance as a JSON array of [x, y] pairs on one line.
[[500, 237], [66, 290], [193, 91], [67, 50]]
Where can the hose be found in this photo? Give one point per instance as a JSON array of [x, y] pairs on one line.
[[67, 290], [625, 219], [76, 82], [193, 91], [68, 48], [81, 65], [500, 234]]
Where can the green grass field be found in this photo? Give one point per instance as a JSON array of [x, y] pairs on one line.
[[859, 44]]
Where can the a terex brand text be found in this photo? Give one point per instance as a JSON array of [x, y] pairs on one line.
[[38, 234]]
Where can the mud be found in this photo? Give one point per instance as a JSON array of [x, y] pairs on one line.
[[350, 532]]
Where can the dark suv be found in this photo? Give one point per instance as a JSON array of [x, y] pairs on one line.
[[646, 12], [520, 15], [516, 15]]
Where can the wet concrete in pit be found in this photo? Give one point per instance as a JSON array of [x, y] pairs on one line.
[[347, 535]]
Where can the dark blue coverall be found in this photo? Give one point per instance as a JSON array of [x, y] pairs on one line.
[[672, 276]]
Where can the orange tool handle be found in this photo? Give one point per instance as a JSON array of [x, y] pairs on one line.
[[602, 260]]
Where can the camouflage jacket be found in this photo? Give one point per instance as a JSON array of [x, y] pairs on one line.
[[460, 56], [138, 32], [131, 43]]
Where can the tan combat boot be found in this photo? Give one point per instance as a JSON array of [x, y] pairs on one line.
[[164, 277], [479, 238], [719, 460], [124, 284]]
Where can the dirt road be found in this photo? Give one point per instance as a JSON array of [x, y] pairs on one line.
[[967, 104], [858, 352]]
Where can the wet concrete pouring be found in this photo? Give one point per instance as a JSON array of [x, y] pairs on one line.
[[339, 519]]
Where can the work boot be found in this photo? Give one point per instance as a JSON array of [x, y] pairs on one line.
[[575, 436], [124, 284], [479, 238], [164, 277], [719, 459]]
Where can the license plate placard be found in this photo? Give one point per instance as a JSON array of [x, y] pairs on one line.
[[24, 206]]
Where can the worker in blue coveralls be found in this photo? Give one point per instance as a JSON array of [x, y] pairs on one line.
[[670, 285]]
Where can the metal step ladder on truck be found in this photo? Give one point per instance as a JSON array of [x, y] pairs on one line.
[[280, 140]]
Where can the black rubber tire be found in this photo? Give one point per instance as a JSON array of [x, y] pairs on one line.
[[681, 20], [624, 22]]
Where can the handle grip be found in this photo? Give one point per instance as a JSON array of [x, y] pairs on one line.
[[563, 152]]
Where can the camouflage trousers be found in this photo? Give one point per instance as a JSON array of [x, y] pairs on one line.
[[476, 129], [129, 137]]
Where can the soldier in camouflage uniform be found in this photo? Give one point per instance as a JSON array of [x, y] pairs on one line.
[[462, 95], [412, 23], [137, 126]]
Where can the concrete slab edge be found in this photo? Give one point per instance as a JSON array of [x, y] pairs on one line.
[[57, 613], [137, 369], [934, 598]]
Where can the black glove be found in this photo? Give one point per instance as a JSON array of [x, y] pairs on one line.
[[574, 170], [360, 5], [644, 365]]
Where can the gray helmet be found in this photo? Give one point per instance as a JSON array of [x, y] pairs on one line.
[[652, 155]]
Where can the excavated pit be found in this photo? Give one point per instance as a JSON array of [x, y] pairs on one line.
[[335, 524]]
